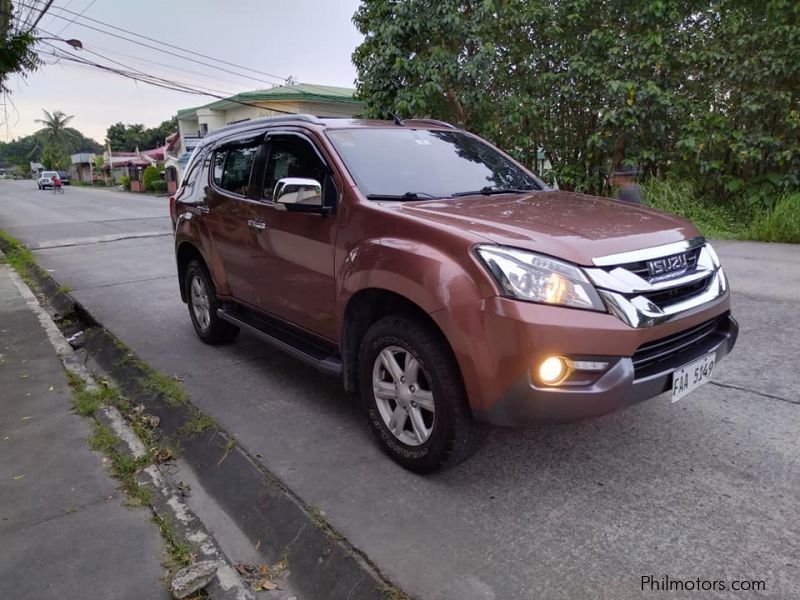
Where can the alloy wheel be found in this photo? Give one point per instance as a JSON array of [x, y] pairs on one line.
[[201, 306], [403, 395]]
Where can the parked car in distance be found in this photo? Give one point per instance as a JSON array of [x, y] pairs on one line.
[[440, 279], [45, 179], [64, 176]]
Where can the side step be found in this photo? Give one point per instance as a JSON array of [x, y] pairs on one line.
[[283, 339]]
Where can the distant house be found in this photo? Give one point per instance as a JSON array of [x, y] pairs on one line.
[[131, 164], [36, 169], [82, 166], [194, 123]]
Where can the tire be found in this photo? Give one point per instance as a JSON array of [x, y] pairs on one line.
[[201, 297], [452, 435]]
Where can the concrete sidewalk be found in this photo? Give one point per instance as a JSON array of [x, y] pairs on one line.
[[64, 532]]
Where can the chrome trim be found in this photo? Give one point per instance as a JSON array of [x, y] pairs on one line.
[[640, 312], [622, 280], [648, 253]]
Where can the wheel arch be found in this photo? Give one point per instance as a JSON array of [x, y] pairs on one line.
[[366, 307], [186, 253]]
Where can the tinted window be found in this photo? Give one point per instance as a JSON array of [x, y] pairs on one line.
[[433, 163], [219, 163], [291, 157], [235, 174]]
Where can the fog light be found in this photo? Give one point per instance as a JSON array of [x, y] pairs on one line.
[[553, 370]]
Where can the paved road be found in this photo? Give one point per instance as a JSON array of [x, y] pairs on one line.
[[706, 488]]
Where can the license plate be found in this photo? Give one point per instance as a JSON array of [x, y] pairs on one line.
[[690, 377]]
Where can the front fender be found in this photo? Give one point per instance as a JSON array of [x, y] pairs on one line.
[[424, 274]]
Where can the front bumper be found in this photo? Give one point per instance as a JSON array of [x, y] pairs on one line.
[[624, 383]]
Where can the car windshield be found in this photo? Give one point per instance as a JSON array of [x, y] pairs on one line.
[[49, 174], [417, 164]]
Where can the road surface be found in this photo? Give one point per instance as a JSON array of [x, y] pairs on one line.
[[706, 488]]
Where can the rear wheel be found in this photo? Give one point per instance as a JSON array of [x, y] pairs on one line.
[[413, 395], [203, 304]]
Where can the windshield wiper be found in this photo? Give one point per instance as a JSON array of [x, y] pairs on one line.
[[489, 190], [402, 197]]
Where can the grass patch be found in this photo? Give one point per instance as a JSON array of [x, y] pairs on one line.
[[18, 256], [86, 401], [179, 553], [63, 289], [124, 466], [197, 423], [167, 387], [680, 198], [780, 224]]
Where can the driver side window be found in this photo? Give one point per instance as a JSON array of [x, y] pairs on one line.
[[290, 157]]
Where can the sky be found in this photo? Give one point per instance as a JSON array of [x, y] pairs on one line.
[[310, 40]]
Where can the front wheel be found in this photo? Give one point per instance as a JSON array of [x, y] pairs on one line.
[[203, 304], [413, 395]]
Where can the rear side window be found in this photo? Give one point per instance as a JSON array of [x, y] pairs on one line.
[[232, 168]]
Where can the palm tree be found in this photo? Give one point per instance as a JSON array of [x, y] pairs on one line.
[[55, 125], [55, 154]]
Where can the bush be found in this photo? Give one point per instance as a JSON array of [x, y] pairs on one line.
[[150, 175], [125, 182], [680, 198], [781, 223], [158, 186]]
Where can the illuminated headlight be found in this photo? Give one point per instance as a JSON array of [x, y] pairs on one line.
[[537, 278]]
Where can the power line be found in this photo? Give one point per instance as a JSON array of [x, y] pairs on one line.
[[88, 6], [41, 14], [230, 64], [156, 81], [157, 49]]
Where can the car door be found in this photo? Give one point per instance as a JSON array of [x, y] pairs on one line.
[[227, 201], [295, 250]]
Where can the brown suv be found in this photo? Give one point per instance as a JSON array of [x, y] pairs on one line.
[[440, 279]]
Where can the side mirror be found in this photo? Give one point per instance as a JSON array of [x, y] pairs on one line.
[[298, 194]]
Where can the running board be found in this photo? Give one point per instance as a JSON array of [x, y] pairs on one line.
[[285, 340]]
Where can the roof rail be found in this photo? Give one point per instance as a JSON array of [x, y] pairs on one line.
[[266, 120], [430, 122]]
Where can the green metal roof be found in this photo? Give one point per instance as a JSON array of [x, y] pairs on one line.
[[301, 91]]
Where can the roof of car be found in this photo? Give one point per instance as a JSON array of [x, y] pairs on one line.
[[322, 123]]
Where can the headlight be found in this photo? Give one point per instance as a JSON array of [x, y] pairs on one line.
[[529, 276]]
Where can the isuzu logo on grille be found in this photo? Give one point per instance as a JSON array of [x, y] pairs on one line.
[[669, 264]]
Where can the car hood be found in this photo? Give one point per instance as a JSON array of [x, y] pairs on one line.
[[575, 227]]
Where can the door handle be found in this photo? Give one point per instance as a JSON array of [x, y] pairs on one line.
[[259, 225], [204, 210]]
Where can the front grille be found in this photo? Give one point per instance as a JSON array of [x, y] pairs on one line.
[[663, 298], [640, 268], [650, 357]]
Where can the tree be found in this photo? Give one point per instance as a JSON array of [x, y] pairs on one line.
[[126, 138], [55, 156], [708, 90], [55, 126], [16, 49]]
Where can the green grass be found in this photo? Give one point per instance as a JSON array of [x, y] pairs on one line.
[[780, 224], [63, 289], [197, 423], [166, 387], [680, 198], [86, 401], [124, 466], [18, 256]]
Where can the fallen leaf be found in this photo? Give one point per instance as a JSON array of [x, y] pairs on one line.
[[265, 585], [52, 388], [26, 418], [18, 477]]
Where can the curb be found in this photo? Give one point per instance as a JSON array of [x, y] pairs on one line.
[[323, 565]]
